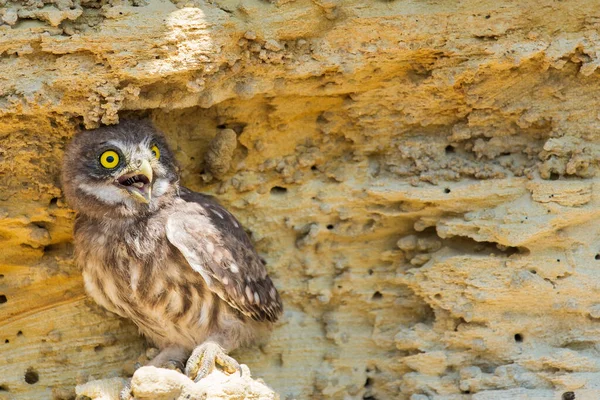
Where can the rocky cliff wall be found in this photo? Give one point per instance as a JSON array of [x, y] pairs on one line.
[[420, 177]]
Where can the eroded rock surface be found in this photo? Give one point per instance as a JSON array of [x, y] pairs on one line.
[[163, 384], [421, 179]]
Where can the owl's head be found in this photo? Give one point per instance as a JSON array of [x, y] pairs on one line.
[[119, 171]]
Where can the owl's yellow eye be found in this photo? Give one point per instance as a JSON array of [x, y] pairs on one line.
[[155, 151], [109, 159]]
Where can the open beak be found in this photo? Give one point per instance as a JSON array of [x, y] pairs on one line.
[[138, 183]]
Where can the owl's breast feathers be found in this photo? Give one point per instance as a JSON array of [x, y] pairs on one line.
[[168, 272]]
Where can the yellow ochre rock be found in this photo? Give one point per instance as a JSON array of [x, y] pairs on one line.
[[420, 177]]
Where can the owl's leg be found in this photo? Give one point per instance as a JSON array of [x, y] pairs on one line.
[[205, 357], [172, 357]]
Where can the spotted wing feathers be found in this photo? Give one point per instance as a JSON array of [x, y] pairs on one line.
[[215, 245]]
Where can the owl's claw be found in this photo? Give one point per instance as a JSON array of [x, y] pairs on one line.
[[204, 358]]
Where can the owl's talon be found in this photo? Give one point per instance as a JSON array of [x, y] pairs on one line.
[[205, 357]]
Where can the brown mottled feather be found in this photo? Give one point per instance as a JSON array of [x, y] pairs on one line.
[[215, 245]]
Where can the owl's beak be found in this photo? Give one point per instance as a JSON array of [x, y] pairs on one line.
[[138, 183]]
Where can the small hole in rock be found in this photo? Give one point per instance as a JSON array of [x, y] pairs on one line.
[[466, 392], [487, 17], [6, 341], [1, 276], [447, 190], [221, 126], [568, 396], [518, 338], [4, 388], [437, 296], [329, 227], [558, 260], [31, 376], [377, 296], [314, 168], [554, 176], [595, 258], [20, 333], [3, 299], [533, 271], [368, 383], [54, 201], [449, 149], [370, 271], [98, 348], [278, 190]]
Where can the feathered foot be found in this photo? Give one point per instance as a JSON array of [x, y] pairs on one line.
[[205, 357]]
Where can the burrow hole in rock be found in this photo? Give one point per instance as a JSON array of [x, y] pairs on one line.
[[31, 376], [377, 296], [449, 149], [568, 396], [4, 388], [278, 190], [447, 190], [368, 385], [54, 201], [597, 257], [330, 227], [20, 333], [3, 299], [518, 337]]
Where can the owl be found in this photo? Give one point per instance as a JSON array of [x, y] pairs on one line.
[[174, 261]]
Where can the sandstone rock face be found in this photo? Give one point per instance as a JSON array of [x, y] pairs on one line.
[[420, 177], [150, 383]]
